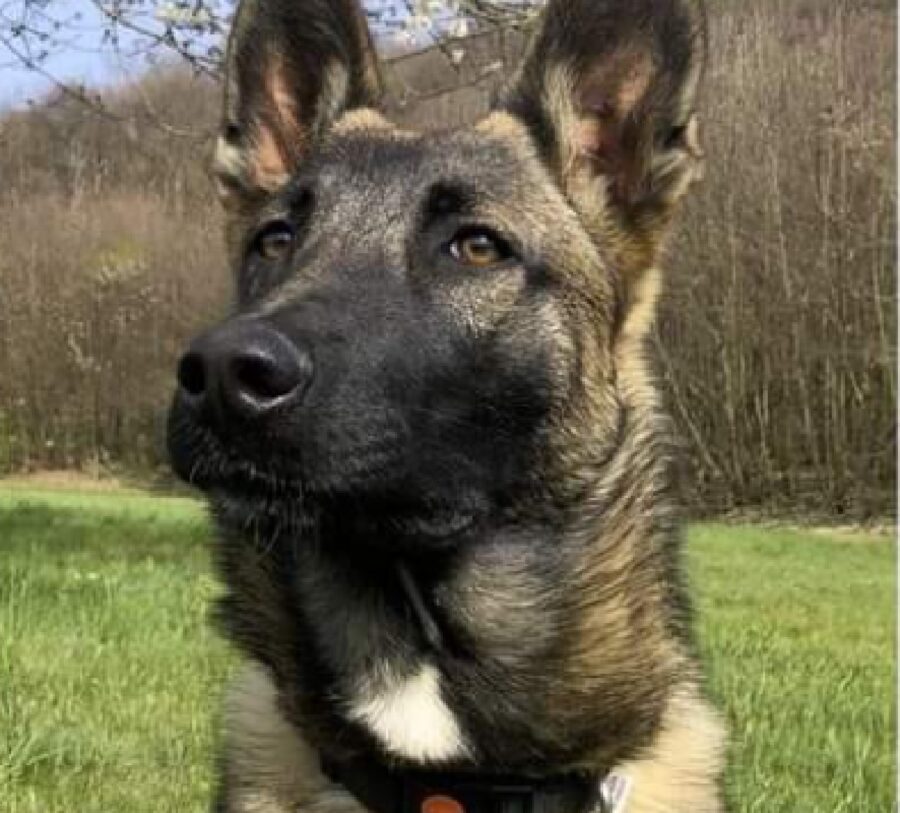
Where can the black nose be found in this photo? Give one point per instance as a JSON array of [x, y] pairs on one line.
[[244, 369]]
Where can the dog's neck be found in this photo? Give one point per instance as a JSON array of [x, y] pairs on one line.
[[444, 657]]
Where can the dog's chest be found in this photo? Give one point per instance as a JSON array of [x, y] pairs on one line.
[[384, 678], [408, 714]]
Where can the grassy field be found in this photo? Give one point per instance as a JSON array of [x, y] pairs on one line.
[[109, 673]]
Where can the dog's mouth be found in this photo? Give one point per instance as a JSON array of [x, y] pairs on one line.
[[267, 461], [245, 497], [201, 459], [257, 485]]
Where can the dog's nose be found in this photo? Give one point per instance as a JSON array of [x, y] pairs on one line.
[[244, 369]]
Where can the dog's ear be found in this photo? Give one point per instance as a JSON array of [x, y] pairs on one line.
[[291, 69], [608, 89]]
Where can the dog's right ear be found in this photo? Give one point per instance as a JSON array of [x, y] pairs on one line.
[[291, 69], [608, 90]]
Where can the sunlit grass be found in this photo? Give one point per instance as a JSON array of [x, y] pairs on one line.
[[110, 673]]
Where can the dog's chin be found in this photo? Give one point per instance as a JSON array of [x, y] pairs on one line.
[[359, 508], [262, 516], [258, 469], [266, 518], [361, 522], [242, 495]]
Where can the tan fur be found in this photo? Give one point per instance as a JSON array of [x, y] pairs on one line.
[[277, 137], [363, 119], [229, 163], [272, 769], [504, 126], [680, 769], [269, 169], [278, 146], [634, 377], [558, 100]]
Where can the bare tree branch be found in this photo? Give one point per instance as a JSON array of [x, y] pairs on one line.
[[191, 32]]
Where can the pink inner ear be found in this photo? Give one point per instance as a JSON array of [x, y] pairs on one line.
[[279, 134], [606, 95], [279, 93], [595, 136], [269, 165]]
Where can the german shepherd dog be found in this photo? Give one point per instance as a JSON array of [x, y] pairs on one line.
[[429, 433]]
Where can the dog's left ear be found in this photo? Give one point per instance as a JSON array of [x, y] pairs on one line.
[[608, 90], [292, 68]]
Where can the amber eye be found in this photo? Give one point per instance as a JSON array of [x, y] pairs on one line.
[[275, 241], [478, 249]]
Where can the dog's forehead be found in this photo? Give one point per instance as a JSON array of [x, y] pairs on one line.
[[492, 156]]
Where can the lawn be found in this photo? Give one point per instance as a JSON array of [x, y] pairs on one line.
[[109, 671]]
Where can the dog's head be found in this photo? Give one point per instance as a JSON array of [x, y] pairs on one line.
[[429, 326]]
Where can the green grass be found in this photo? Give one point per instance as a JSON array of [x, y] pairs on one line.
[[109, 672], [108, 668], [798, 630]]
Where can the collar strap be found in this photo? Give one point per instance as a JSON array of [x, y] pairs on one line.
[[382, 790]]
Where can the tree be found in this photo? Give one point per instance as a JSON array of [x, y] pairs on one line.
[[193, 31]]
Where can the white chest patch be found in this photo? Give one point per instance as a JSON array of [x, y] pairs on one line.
[[615, 790], [410, 718]]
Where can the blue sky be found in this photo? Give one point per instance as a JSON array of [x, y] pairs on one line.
[[80, 54], [18, 85]]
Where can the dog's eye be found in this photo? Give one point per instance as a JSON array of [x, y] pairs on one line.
[[275, 241], [478, 249]]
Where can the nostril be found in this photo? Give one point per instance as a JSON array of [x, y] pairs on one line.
[[263, 378], [242, 370], [192, 374]]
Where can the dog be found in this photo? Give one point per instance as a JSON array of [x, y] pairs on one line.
[[430, 435]]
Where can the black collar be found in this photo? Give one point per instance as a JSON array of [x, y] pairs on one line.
[[383, 790]]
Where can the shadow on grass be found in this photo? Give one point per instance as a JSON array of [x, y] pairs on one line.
[[129, 531]]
